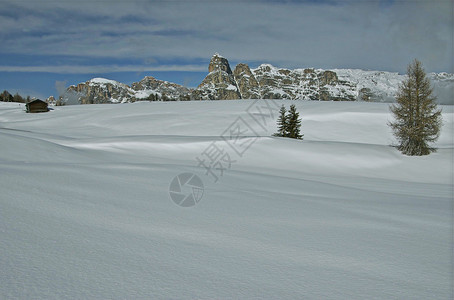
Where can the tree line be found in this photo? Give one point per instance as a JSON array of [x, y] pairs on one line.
[[7, 97]]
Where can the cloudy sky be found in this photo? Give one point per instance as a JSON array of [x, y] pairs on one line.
[[45, 45]]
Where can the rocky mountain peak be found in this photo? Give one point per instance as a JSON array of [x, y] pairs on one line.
[[220, 83], [242, 69], [219, 63], [146, 82], [151, 83]]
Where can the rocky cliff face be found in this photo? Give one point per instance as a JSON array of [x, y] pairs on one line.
[[263, 82], [219, 84], [100, 90], [153, 89], [305, 84], [268, 82], [247, 83]]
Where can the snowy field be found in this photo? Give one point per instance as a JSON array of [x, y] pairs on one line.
[[85, 211]]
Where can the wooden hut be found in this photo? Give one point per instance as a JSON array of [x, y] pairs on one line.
[[36, 106]]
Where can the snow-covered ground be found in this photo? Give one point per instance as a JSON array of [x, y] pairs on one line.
[[85, 211]]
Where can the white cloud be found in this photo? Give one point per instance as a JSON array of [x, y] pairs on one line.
[[350, 34], [72, 69]]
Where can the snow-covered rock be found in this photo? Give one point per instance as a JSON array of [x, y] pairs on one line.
[[151, 88], [270, 82], [101, 90], [98, 90], [302, 84], [51, 100]]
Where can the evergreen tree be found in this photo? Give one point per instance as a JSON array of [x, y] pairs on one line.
[[293, 123], [417, 117], [282, 123], [152, 97], [18, 98], [5, 96]]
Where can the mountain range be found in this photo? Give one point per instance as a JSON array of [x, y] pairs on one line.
[[263, 82]]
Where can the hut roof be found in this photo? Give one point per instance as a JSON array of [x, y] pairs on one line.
[[36, 101]]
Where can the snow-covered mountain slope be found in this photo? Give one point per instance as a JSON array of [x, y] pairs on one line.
[[342, 84], [443, 84], [85, 210], [382, 86]]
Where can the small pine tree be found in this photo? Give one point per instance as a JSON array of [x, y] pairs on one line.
[[417, 117], [294, 123], [282, 123]]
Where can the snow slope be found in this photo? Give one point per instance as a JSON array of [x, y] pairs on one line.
[[85, 210]]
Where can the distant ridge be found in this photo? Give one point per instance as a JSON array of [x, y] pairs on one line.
[[263, 82]]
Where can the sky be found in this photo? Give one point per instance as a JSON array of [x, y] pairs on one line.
[[47, 45]]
